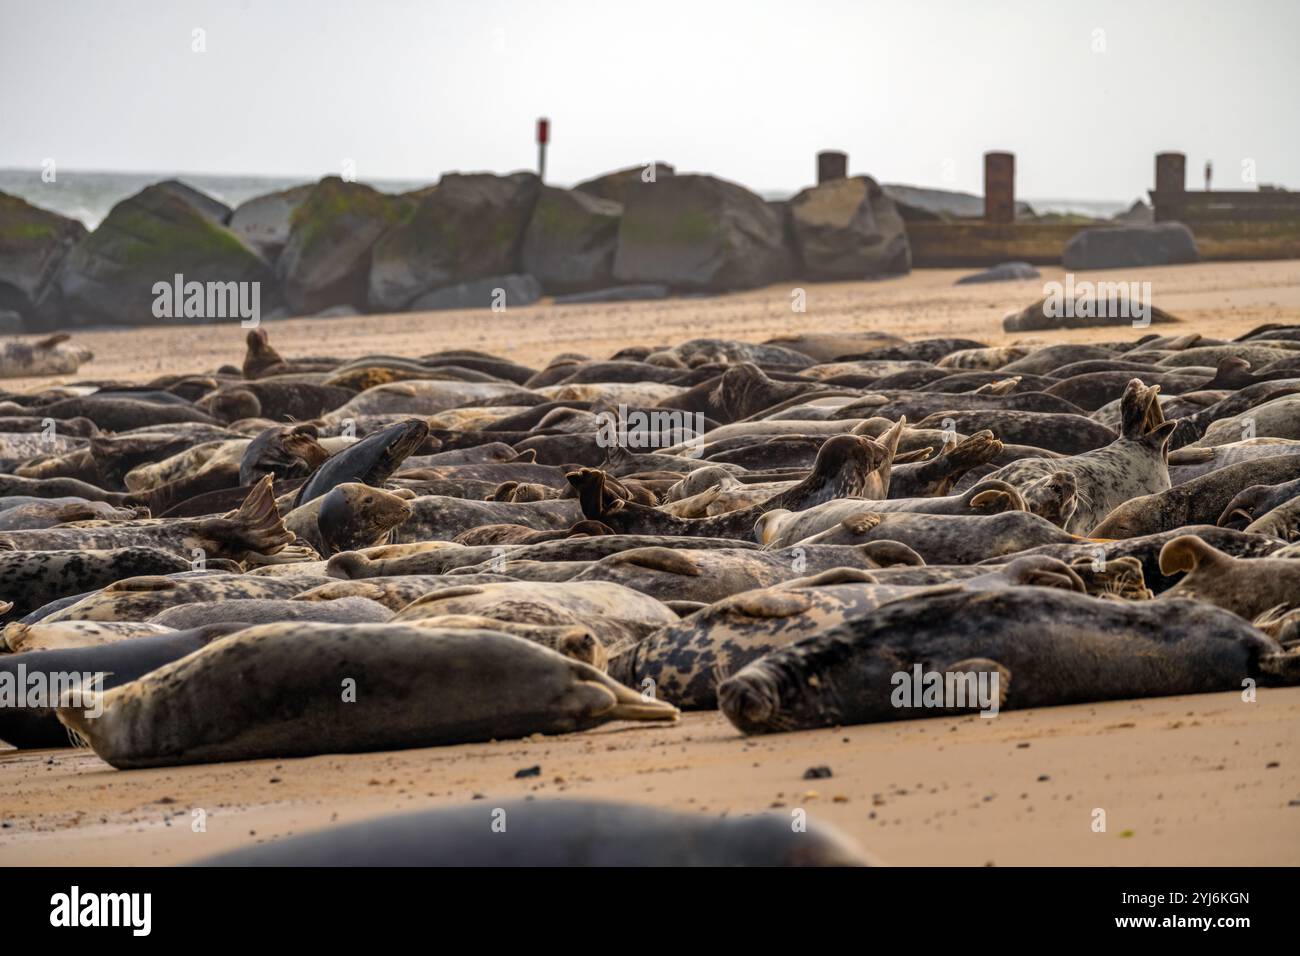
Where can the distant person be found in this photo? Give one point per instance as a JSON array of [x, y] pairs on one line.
[[1209, 174]]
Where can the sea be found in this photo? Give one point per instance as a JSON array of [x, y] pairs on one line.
[[88, 196]]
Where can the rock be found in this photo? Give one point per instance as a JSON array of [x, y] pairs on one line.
[[918, 204], [469, 226], [570, 240], [618, 293], [1081, 311], [699, 233], [34, 243], [326, 261], [148, 238], [848, 229], [211, 208], [1002, 272], [515, 290], [615, 186], [1117, 247], [1139, 213], [11, 323], [263, 222]]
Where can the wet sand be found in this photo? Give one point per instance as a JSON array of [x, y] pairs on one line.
[[1183, 780]]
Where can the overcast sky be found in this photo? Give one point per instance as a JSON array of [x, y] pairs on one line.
[[1083, 92]]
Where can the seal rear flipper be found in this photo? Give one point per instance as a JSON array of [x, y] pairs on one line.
[[914, 456], [254, 529], [993, 496], [50, 342], [957, 458], [1187, 552], [349, 565]]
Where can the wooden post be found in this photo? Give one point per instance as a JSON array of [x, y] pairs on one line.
[[1000, 187], [831, 164]]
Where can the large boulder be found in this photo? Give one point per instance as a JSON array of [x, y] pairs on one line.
[[1118, 247], [264, 222], [848, 229], [699, 233], [616, 185], [326, 261], [920, 204], [499, 292], [152, 237], [469, 226], [570, 241], [211, 208], [33, 245]]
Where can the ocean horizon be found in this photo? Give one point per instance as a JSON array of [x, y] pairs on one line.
[[88, 195]]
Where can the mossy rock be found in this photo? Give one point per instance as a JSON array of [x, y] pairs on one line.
[[570, 241], [264, 222], [470, 226], [617, 185], [34, 243], [151, 237], [332, 233], [848, 229], [700, 233]]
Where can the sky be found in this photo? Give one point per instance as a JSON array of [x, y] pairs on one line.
[[914, 90]]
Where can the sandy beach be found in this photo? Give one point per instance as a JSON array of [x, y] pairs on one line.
[[1183, 780], [1220, 299]]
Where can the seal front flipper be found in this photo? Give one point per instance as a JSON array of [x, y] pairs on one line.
[[983, 669], [594, 696]]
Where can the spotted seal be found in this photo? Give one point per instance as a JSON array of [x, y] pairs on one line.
[[370, 461], [683, 662], [252, 532], [140, 598], [613, 611], [489, 686], [781, 528], [32, 579], [1247, 587], [1048, 647], [847, 466], [30, 723], [347, 610], [1200, 501], [557, 833], [1133, 465], [944, 539], [709, 575], [47, 356]]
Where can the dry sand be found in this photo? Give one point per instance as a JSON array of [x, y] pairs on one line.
[[1209, 779]]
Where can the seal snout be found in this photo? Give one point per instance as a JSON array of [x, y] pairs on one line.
[[749, 700]]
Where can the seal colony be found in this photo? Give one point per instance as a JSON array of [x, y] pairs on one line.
[[301, 555]]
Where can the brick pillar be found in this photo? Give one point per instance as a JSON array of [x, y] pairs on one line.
[[1171, 173], [831, 164], [999, 187]]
